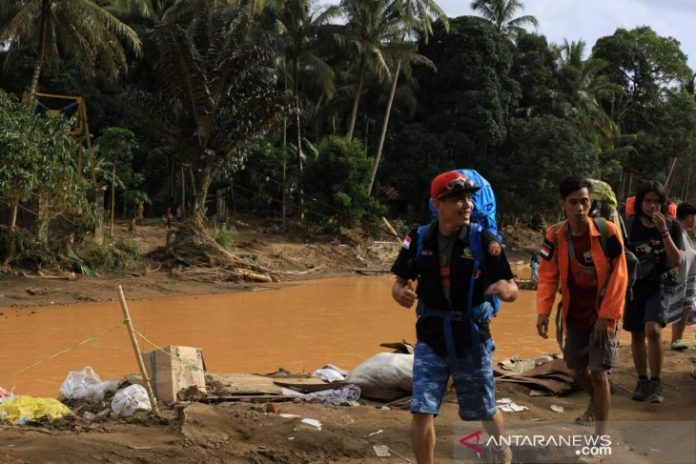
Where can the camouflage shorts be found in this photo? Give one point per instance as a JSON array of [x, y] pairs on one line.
[[472, 378]]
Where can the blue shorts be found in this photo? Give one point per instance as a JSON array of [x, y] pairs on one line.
[[472, 378]]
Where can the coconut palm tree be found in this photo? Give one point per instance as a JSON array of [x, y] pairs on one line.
[[584, 88], [502, 14], [300, 22], [369, 32], [79, 28], [220, 90], [416, 16]]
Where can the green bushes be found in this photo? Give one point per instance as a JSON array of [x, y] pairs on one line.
[[224, 236], [336, 180], [114, 256]]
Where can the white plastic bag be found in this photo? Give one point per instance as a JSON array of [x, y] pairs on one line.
[[130, 399], [328, 374], [86, 384], [385, 370]]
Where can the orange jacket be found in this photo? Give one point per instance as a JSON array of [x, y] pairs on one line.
[[555, 266]]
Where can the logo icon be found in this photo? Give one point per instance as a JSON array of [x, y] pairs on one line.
[[466, 441]]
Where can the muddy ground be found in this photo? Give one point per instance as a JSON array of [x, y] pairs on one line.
[[236, 432], [241, 432]]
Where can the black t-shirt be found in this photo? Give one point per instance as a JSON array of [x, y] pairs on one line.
[[648, 246], [428, 271]]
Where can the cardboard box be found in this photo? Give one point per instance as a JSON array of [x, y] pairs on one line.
[[175, 369]]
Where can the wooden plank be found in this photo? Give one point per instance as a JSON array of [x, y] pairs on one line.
[[241, 384], [308, 384]]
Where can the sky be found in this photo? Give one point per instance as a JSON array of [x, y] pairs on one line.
[[591, 19]]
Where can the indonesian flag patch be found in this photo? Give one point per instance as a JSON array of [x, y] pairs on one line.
[[407, 242], [547, 249]]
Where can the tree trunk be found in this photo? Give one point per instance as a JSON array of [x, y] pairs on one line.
[[43, 36], [200, 195], [285, 165], [42, 218], [13, 216], [669, 175], [113, 200], [385, 124], [198, 201], [356, 103], [183, 193], [299, 157]]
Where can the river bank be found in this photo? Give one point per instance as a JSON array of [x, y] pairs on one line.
[[254, 432], [289, 257], [236, 432]]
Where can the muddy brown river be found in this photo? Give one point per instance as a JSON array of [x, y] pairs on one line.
[[299, 327]]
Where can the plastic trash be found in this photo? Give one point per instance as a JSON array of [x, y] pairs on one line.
[[381, 451], [385, 370], [86, 384], [129, 400], [328, 373], [5, 395], [312, 423], [20, 409], [511, 406], [343, 395], [556, 408]]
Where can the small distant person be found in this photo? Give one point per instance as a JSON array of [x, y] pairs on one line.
[[453, 328], [141, 210], [686, 215], [534, 267], [178, 213], [593, 288], [658, 244], [168, 216]]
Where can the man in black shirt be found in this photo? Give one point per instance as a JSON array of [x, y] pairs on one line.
[[457, 266], [657, 243]]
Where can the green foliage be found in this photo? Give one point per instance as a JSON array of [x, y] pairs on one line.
[[74, 28], [37, 159], [112, 256], [472, 92], [336, 182], [224, 236], [21, 154], [219, 93], [20, 248], [542, 150], [534, 69]]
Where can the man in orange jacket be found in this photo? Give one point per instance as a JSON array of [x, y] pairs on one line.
[[593, 279]]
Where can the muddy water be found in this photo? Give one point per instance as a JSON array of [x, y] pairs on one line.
[[299, 327]]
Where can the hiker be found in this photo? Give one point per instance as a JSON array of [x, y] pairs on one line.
[[534, 267], [450, 257], [168, 216], [657, 243], [686, 214], [141, 210], [585, 257]]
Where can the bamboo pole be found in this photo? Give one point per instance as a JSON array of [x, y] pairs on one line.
[[391, 230], [136, 349]]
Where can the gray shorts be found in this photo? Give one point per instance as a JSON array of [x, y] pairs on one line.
[[581, 351]]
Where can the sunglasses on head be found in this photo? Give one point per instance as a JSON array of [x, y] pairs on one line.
[[460, 184]]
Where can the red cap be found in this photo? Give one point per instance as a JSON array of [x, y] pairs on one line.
[[451, 182]]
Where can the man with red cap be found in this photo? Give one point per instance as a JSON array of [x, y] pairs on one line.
[[457, 267]]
